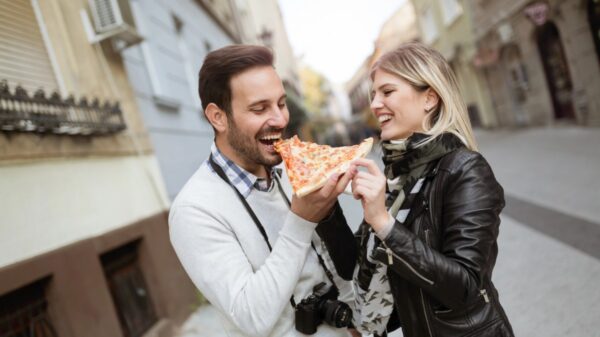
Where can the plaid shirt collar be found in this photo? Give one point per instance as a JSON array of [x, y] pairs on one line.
[[241, 179]]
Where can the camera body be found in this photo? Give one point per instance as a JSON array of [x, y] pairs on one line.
[[322, 306]]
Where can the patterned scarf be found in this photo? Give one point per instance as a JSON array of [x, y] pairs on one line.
[[407, 162]]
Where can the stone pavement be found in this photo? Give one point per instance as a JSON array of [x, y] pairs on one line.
[[553, 167], [548, 267]]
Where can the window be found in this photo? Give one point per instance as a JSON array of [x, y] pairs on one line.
[[128, 289], [451, 10], [23, 312], [24, 59], [428, 26], [159, 54], [186, 54]]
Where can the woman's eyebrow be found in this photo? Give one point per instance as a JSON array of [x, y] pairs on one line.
[[380, 87]]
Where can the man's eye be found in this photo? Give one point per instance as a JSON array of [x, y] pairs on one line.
[[282, 104], [257, 108]]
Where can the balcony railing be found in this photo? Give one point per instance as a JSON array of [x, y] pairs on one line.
[[21, 113]]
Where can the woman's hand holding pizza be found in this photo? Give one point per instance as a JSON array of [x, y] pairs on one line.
[[369, 187], [308, 165], [315, 206]]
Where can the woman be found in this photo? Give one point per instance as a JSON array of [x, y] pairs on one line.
[[428, 240]]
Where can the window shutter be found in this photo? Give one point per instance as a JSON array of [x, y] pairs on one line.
[[23, 56]]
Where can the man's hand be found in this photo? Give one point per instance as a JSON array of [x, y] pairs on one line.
[[315, 206]]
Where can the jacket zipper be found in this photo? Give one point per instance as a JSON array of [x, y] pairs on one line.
[[426, 232], [483, 293], [390, 255], [425, 313]]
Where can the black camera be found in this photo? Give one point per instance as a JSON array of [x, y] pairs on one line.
[[322, 306]]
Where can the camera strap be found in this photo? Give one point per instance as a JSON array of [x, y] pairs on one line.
[[259, 225]]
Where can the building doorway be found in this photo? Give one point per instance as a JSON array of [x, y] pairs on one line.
[[516, 82], [594, 18], [556, 70]]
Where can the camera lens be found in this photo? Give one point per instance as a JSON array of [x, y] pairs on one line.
[[336, 313]]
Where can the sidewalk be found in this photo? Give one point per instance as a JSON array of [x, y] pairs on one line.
[[553, 167], [548, 285]]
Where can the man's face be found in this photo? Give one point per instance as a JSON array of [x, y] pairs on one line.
[[259, 117]]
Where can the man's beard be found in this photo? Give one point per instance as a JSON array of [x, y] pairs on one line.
[[248, 147]]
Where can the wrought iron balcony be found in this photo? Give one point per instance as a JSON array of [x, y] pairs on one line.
[[21, 113]]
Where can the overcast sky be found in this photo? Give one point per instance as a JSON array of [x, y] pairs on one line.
[[335, 36]]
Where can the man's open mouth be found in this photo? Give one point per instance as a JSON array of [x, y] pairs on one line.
[[270, 138]]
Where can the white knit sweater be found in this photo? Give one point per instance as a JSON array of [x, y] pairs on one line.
[[227, 258]]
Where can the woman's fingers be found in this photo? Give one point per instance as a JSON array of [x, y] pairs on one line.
[[344, 181], [368, 183], [369, 165], [374, 182], [364, 175], [363, 191], [359, 192]]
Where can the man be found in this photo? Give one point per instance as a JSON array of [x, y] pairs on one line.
[[243, 246]]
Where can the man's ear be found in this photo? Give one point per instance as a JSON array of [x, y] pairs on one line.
[[432, 99], [216, 117]]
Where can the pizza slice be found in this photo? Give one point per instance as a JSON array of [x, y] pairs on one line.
[[309, 165]]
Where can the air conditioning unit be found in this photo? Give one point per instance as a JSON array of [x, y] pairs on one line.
[[112, 20]]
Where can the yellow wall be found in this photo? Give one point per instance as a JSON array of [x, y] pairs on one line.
[[86, 70], [57, 190], [456, 41], [312, 86], [50, 204]]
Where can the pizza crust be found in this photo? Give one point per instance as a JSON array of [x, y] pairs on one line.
[[363, 149]]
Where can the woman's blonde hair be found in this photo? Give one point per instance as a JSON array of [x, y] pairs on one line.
[[423, 68]]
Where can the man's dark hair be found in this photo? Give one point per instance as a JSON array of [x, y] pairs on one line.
[[221, 65]]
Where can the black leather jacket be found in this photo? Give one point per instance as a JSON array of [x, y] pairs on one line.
[[444, 254]]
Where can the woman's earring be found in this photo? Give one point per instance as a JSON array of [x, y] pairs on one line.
[[429, 110]]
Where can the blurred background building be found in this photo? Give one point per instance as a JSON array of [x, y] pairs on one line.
[[447, 25], [519, 63], [327, 108], [84, 247], [400, 27], [101, 126], [540, 60]]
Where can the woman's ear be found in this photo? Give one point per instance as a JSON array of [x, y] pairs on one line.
[[431, 100], [216, 117]]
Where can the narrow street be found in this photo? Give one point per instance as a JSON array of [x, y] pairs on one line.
[[548, 265]]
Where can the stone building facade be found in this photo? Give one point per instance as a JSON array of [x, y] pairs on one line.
[[447, 25], [540, 59]]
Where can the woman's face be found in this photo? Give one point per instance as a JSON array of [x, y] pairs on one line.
[[399, 108]]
